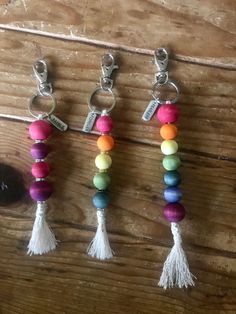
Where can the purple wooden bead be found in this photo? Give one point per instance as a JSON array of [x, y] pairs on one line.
[[40, 190], [39, 150], [174, 212]]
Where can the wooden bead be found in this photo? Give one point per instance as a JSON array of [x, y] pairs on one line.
[[174, 212], [169, 147], [104, 124], [101, 200], [168, 113], [40, 169], [172, 194], [171, 162], [39, 150], [105, 143], [101, 180], [168, 131], [103, 161], [40, 190], [172, 178], [40, 130]]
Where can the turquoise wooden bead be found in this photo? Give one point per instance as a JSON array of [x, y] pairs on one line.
[[101, 180], [103, 161], [101, 200], [169, 147], [171, 162], [172, 178]]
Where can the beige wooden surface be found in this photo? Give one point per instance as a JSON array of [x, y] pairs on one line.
[[67, 281]]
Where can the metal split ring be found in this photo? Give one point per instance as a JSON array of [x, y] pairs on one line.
[[157, 86], [100, 111], [44, 114]]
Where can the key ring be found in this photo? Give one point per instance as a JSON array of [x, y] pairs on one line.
[[44, 89], [157, 86], [108, 65], [94, 108], [44, 114]]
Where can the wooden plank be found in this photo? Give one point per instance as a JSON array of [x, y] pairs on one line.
[[192, 30], [137, 190], [207, 101], [66, 280]]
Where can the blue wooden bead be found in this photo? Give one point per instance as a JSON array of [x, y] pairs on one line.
[[172, 178], [101, 200], [172, 194]]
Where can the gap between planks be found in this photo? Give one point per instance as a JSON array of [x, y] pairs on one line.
[[109, 45], [24, 119], [129, 239]]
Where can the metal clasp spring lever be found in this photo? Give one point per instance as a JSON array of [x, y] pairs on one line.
[[108, 66], [161, 58], [41, 74]]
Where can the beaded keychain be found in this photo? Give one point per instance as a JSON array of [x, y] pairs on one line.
[[176, 269], [99, 246], [42, 238]]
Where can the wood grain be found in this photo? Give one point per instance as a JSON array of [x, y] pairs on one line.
[[73, 37], [207, 103], [196, 32], [66, 280]]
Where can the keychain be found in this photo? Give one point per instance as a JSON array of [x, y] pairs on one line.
[[42, 238], [176, 269], [100, 247]]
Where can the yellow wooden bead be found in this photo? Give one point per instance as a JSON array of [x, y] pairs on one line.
[[103, 161], [169, 147]]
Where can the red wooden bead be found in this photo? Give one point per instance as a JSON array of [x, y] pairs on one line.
[[40, 130], [40, 169]]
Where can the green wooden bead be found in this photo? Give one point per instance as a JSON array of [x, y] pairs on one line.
[[171, 162], [101, 180]]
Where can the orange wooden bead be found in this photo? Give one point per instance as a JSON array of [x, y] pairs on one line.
[[105, 143], [168, 131]]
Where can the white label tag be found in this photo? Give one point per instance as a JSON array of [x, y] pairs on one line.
[[150, 110], [58, 123], [89, 122]]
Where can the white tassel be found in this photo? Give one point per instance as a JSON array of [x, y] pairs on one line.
[[176, 269], [42, 238], [100, 246]]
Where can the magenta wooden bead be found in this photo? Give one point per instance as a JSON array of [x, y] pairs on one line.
[[168, 113], [39, 150], [40, 190], [174, 212], [40, 169], [104, 124], [40, 130]]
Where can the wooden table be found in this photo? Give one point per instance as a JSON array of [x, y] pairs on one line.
[[72, 36]]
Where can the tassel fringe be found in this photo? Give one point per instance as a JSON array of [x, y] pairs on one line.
[[176, 269], [100, 246], [42, 238]]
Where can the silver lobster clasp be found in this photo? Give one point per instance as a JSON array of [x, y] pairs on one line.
[[161, 59], [108, 66], [41, 74]]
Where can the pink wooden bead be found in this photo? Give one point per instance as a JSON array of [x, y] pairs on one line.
[[40, 130], [104, 124], [168, 113], [40, 169]]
